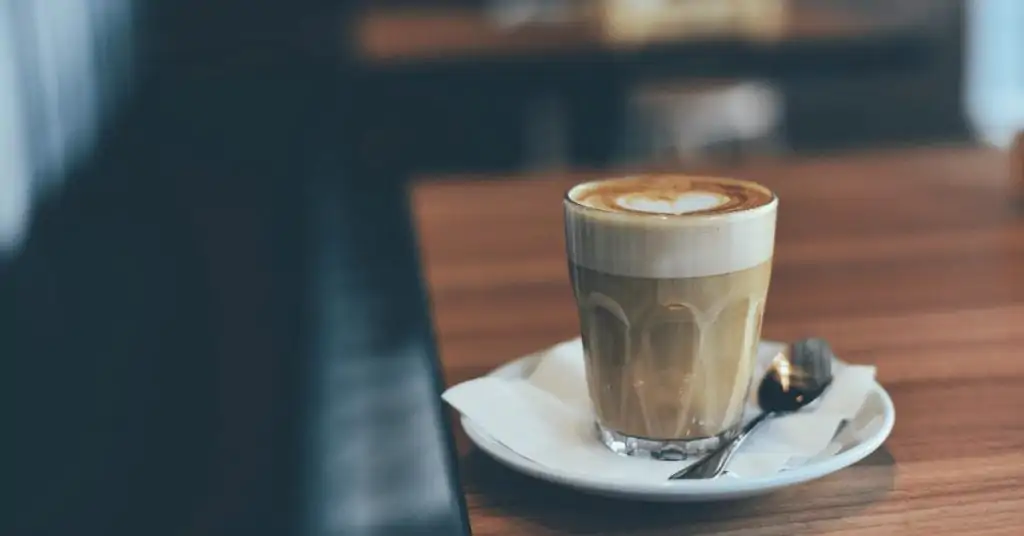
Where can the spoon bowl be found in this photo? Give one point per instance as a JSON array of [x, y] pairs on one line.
[[796, 377]]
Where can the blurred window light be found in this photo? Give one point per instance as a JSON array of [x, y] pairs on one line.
[[994, 85], [14, 164], [61, 67]]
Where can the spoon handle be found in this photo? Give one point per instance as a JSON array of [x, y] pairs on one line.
[[714, 463]]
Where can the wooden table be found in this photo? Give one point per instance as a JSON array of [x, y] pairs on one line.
[[912, 261]]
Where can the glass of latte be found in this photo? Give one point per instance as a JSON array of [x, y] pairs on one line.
[[670, 275]]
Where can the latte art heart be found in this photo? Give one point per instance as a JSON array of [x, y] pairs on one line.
[[683, 203]]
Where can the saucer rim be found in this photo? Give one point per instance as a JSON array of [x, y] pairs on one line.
[[678, 490]]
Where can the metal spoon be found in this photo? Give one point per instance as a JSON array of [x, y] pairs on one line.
[[797, 377]]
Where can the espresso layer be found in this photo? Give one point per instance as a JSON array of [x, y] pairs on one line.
[[676, 195]]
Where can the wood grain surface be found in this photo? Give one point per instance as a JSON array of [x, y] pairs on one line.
[[909, 260]]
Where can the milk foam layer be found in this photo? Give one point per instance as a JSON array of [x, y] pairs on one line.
[[671, 231]]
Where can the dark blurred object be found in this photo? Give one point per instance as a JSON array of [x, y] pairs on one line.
[[701, 121], [467, 78], [910, 100], [208, 327]]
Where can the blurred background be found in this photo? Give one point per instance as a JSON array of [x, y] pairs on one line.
[[192, 145], [502, 85], [498, 86]]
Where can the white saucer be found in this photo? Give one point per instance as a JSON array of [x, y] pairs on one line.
[[726, 487]]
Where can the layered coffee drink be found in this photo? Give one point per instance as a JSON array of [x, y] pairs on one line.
[[670, 275]]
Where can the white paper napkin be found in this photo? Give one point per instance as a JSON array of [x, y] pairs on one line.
[[547, 418]]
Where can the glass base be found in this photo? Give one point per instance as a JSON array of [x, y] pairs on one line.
[[662, 449]]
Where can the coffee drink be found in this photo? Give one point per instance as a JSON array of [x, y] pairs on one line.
[[670, 275]]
